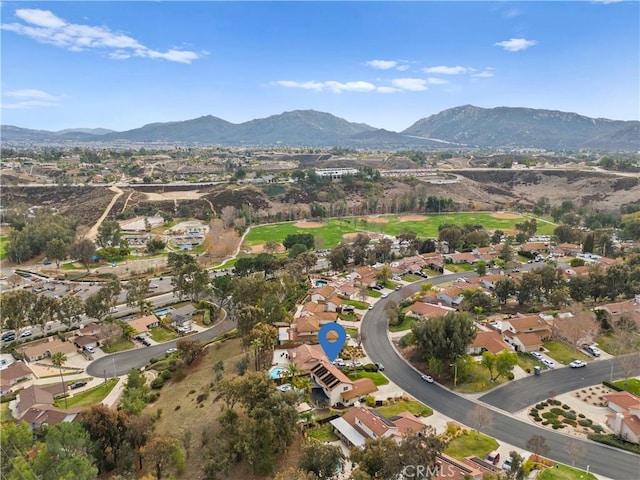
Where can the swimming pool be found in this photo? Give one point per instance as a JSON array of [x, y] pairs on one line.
[[164, 311], [321, 283], [276, 372]]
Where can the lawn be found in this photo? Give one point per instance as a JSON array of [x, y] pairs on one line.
[[352, 331], [413, 406], [377, 377], [471, 444], [478, 381], [374, 293], [89, 397], [5, 413], [356, 304], [630, 385], [161, 334], [405, 325], [3, 246], [119, 345], [606, 343], [526, 361], [409, 277], [459, 267], [323, 434], [565, 472], [334, 229], [563, 353]]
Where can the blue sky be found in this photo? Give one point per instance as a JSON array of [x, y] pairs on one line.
[[121, 65]]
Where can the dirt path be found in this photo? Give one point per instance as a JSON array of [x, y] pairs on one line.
[[93, 233], [126, 202]]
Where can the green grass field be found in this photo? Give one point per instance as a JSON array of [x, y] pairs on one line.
[[323, 434], [3, 246], [471, 444], [413, 406], [89, 397], [333, 230], [630, 385], [563, 353], [119, 345], [161, 334], [565, 472], [378, 378]]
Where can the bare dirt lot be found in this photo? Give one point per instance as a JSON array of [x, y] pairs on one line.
[[309, 224], [260, 248], [183, 195], [413, 218]]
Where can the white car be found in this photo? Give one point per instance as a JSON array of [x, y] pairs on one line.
[[90, 349], [27, 333], [537, 355], [577, 364], [427, 378], [171, 350], [548, 363], [385, 295], [370, 307], [113, 310], [285, 387]]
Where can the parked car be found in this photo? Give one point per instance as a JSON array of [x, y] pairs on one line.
[[537, 355], [171, 350], [506, 466], [146, 343], [385, 295], [27, 333], [90, 349], [593, 350], [370, 307], [548, 363], [184, 329], [494, 457], [8, 336], [380, 366], [75, 385], [153, 285], [577, 364], [427, 378], [398, 287]]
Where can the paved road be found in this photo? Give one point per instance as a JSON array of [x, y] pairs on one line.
[[515, 396], [120, 363], [610, 462]]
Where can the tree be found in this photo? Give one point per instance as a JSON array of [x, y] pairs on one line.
[[84, 251], [516, 470], [503, 289], [479, 418], [16, 439], [538, 446], [579, 287], [137, 289], [321, 459], [107, 428], [385, 274], [339, 256], [190, 280], [160, 452], [108, 234], [481, 268], [57, 250], [66, 453], [189, 349], [489, 362], [505, 361], [453, 236], [575, 450], [58, 359], [392, 310], [70, 308], [616, 280], [444, 337]]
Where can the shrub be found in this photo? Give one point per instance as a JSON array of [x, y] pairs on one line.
[[166, 374], [597, 428], [568, 421], [180, 373], [557, 411], [538, 419], [177, 408], [370, 367], [510, 376], [202, 397], [585, 423], [152, 397], [581, 415], [157, 383], [566, 407], [549, 415], [545, 422]]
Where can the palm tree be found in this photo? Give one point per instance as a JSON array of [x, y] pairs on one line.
[[58, 359]]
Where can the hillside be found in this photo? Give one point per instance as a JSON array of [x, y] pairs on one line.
[[460, 127]]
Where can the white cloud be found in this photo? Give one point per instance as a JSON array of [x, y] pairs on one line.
[[436, 81], [402, 68], [382, 64], [511, 13], [31, 98], [331, 85], [411, 84], [387, 90], [445, 70], [487, 73], [516, 44], [45, 27]]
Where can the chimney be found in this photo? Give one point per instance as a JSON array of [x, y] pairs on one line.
[[617, 423]]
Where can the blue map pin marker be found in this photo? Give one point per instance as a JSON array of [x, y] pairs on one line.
[[332, 346]]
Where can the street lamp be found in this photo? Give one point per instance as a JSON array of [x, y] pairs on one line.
[[455, 371]]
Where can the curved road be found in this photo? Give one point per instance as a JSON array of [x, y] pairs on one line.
[[609, 462], [120, 363]]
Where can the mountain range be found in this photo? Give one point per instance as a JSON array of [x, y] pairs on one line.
[[465, 126]]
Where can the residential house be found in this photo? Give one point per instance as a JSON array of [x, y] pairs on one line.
[[466, 257], [13, 374], [337, 387], [451, 296], [490, 341], [364, 276], [362, 423], [50, 415], [305, 329], [629, 309], [427, 310], [328, 296], [452, 469], [534, 248], [46, 348], [86, 341], [625, 419], [523, 342], [29, 397], [183, 316], [528, 324], [305, 357], [434, 261], [567, 249], [142, 324]]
